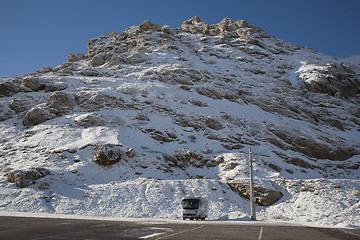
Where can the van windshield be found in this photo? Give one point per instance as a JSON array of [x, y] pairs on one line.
[[190, 203]]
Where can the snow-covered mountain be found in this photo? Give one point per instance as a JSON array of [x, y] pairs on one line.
[[154, 113]]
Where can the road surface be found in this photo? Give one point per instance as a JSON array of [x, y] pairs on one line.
[[53, 228]]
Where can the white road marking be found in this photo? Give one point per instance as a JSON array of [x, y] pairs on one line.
[[157, 234], [261, 233], [151, 235]]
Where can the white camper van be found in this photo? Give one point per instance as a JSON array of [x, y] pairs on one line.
[[194, 208]]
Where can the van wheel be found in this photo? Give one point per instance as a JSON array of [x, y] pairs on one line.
[[203, 219]]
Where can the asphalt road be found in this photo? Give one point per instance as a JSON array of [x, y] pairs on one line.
[[51, 228]]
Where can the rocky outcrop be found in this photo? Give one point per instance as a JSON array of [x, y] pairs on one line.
[[99, 100], [335, 80], [160, 136], [97, 60], [76, 57], [23, 178], [213, 123], [61, 101], [305, 143], [263, 196], [110, 154], [185, 158], [34, 83], [9, 88], [37, 115], [94, 119], [226, 28], [147, 25]]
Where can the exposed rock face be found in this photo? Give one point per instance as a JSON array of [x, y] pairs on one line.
[[61, 100], [37, 115], [98, 60], [76, 57], [213, 124], [186, 158], [263, 196], [147, 25], [227, 28], [300, 141], [25, 178], [99, 100], [8, 89], [35, 84], [334, 80]]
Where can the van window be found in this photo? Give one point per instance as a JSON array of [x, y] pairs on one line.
[[190, 203]]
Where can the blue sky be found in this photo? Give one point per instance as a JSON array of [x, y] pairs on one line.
[[41, 33]]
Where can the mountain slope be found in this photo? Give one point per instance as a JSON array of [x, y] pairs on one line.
[[169, 111]]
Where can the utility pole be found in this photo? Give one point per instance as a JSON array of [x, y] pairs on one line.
[[252, 199]]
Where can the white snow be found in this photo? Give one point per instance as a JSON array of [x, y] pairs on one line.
[[143, 186]]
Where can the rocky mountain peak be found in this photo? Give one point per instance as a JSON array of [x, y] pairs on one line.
[[226, 28], [188, 76], [183, 103]]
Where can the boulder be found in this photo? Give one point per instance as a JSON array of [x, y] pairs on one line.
[[37, 115], [108, 154], [23, 178], [34, 83], [130, 153], [8, 89], [61, 100]]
